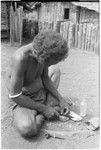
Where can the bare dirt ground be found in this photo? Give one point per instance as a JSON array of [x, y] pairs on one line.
[[80, 78]]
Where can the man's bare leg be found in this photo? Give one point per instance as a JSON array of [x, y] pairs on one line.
[[54, 74], [27, 122]]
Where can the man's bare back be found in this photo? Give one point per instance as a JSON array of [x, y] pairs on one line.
[[31, 69]]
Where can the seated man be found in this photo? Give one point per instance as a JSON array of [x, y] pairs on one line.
[[32, 91]]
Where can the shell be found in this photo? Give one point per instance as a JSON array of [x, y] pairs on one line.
[[94, 123], [74, 116], [63, 118]]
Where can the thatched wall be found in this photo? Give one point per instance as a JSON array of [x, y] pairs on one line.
[[87, 15], [54, 11]]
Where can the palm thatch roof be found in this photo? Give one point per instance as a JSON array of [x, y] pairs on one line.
[[89, 5]]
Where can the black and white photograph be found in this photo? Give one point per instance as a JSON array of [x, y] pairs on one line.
[[50, 74]]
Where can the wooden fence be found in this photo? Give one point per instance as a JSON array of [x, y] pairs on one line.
[[16, 25], [83, 36], [87, 37], [67, 30]]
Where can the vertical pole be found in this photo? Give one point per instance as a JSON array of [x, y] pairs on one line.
[[11, 25], [20, 24]]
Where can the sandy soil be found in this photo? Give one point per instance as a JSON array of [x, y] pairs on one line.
[[79, 79]]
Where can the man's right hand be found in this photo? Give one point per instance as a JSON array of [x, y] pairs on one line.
[[51, 113]]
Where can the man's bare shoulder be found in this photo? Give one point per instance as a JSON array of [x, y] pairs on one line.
[[20, 57], [18, 60], [22, 53]]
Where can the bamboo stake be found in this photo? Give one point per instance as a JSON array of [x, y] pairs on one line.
[[85, 35], [11, 25], [16, 28], [82, 36], [87, 38], [76, 35], [90, 39], [20, 23], [90, 36], [68, 32], [92, 47]]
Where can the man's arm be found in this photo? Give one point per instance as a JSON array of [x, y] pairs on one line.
[[17, 78], [50, 86]]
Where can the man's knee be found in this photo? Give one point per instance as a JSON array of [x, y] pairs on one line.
[[54, 70], [56, 77], [55, 74], [58, 72], [27, 128]]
